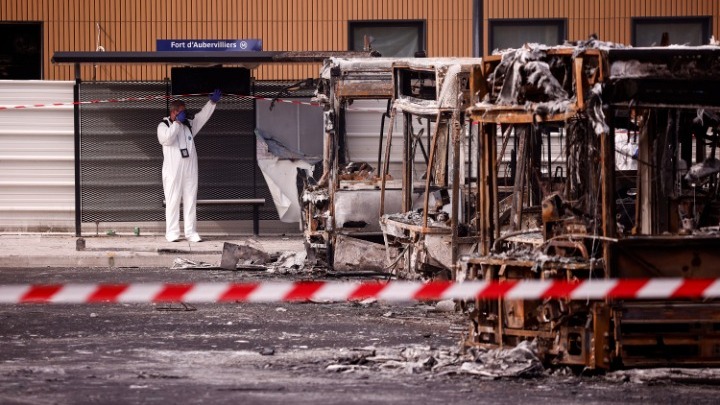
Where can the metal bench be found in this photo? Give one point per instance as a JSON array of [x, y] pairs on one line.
[[255, 202]]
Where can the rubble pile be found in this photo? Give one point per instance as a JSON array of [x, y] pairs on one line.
[[517, 362], [315, 196], [528, 253], [252, 256], [415, 217], [357, 171], [710, 376]]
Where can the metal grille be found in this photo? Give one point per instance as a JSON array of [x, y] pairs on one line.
[[121, 160]]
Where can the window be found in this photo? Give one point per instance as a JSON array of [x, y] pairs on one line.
[[21, 51], [680, 30], [396, 38], [506, 34]]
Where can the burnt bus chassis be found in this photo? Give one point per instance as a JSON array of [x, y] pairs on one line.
[[345, 80], [340, 213], [437, 91], [578, 236]]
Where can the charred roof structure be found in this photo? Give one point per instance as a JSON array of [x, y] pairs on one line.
[[592, 221]]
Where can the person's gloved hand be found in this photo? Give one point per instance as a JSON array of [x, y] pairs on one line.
[[215, 96], [180, 117]]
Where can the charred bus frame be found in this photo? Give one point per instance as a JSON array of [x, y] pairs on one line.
[[578, 234], [423, 239], [340, 212]]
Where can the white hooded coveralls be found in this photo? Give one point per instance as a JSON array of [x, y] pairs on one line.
[[180, 175]]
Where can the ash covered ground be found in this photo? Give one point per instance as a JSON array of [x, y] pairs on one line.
[[369, 352]]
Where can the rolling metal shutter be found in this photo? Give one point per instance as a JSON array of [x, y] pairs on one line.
[[36, 157]]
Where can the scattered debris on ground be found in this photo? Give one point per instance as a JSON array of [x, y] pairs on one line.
[[252, 256], [186, 264], [267, 351], [289, 262], [517, 362], [249, 252], [707, 376]]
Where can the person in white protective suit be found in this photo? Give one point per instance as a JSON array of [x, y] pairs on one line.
[[176, 134]]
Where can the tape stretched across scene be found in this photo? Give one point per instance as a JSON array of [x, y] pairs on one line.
[[163, 97], [171, 97], [159, 97], [392, 291]]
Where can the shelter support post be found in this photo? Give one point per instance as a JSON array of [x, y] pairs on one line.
[[76, 121]]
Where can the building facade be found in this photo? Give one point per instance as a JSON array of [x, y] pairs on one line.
[[38, 185], [32, 30], [630, 22]]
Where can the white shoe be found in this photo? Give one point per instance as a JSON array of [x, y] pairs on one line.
[[194, 238], [172, 238]]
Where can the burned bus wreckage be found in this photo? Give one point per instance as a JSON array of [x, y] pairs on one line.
[[579, 215], [341, 213], [584, 161], [425, 238], [341, 209]]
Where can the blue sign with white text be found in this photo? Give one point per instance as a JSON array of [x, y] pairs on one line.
[[232, 45]]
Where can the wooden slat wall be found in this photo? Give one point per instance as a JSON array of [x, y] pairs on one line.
[[312, 25], [134, 25], [610, 19]]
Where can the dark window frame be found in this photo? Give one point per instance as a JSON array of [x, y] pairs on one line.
[[705, 20], [421, 25], [41, 43], [510, 22]]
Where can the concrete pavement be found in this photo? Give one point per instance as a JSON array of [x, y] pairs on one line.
[[124, 250]]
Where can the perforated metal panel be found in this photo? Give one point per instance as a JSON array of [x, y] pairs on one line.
[[121, 160]]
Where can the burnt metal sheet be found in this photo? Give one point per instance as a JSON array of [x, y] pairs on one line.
[[679, 77], [657, 333], [367, 88], [352, 254], [663, 92], [671, 256], [668, 55], [358, 210]]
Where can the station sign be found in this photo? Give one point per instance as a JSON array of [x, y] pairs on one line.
[[226, 45]]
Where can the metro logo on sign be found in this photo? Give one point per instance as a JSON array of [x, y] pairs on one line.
[[232, 45]]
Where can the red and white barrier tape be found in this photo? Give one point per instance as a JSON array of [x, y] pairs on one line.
[[126, 99], [667, 288]]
